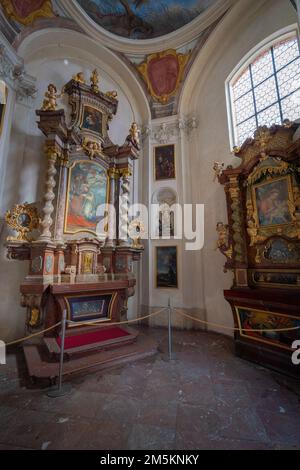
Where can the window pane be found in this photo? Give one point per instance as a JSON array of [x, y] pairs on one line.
[[285, 51], [262, 68], [244, 107], [242, 84], [269, 116], [246, 130], [265, 94], [291, 107], [289, 78]]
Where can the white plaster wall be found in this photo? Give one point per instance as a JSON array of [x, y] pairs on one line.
[[204, 95], [53, 58]]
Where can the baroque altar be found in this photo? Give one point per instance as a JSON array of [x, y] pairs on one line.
[[80, 257], [261, 243]]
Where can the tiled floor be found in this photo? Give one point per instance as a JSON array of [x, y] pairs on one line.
[[205, 398]]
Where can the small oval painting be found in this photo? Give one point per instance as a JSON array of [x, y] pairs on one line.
[[143, 19]]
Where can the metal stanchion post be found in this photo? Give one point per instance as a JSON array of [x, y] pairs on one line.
[[170, 329], [62, 389]]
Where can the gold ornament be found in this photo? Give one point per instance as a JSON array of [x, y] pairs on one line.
[[95, 81], [23, 218], [34, 317], [50, 100], [136, 230], [79, 78], [92, 148], [112, 94], [44, 11]]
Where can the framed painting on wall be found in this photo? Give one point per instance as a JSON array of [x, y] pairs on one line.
[[164, 162], [273, 202], [87, 192], [92, 120], [166, 272]]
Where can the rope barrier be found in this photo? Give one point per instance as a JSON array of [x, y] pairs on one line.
[[119, 322], [218, 325], [134, 320], [33, 334], [25, 338]]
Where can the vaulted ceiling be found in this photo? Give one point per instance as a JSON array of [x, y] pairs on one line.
[[143, 19]]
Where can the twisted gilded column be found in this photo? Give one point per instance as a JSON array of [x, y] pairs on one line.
[[48, 208], [124, 206]]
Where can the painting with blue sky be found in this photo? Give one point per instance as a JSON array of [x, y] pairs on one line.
[[143, 19]]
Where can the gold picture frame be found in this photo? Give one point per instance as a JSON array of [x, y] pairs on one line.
[[92, 130], [166, 284], [104, 320], [279, 211], [66, 212], [256, 338], [169, 172], [288, 200]]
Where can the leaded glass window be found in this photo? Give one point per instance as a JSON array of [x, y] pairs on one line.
[[267, 91]]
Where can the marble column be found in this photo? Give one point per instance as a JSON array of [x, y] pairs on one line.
[[113, 175], [49, 195], [124, 206]]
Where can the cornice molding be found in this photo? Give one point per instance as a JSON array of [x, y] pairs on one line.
[[173, 40], [168, 130], [12, 71]]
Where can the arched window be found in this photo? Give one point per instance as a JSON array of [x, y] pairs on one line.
[[266, 89]]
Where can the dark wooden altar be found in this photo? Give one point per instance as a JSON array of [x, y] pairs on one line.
[[80, 257], [262, 246]]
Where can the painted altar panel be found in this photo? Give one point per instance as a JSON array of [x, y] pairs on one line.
[[252, 319], [271, 200], [87, 193], [84, 308], [92, 120]]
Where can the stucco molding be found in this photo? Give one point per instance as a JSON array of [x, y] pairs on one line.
[[12, 71], [163, 132]]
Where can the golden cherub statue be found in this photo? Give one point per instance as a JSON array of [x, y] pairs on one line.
[[79, 77], [218, 168], [112, 94], [134, 135], [223, 234], [50, 100], [95, 81], [92, 148]]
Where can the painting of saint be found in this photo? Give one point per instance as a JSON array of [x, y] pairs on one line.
[[272, 201], [166, 267], [92, 119], [86, 197], [164, 161]]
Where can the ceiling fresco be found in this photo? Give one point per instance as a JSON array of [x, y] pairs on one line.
[[143, 19]]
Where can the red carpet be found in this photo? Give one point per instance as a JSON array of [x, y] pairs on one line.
[[94, 337]]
